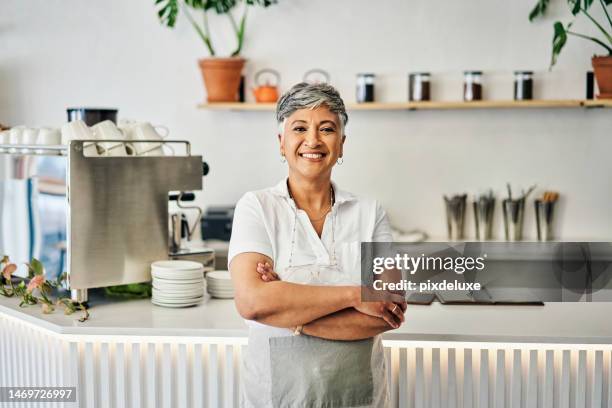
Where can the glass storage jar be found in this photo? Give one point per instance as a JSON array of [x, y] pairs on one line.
[[523, 85], [472, 86], [418, 86], [365, 88]]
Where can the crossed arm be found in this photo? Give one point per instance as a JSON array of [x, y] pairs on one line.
[[330, 312]]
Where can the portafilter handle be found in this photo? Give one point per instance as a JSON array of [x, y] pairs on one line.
[[186, 196]]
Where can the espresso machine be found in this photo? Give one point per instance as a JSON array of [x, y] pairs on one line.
[[116, 208]]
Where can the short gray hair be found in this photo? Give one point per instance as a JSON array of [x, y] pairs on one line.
[[310, 96]]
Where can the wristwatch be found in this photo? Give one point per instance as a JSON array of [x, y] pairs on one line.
[[298, 330]]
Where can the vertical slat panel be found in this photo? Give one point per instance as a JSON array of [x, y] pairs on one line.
[[564, 380], [151, 378], [605, 379], [105, 376], [88, 378], [4, 367], [41, 358], [419, 379], [499, 394], [12, 326], [212, 375], [450, 396], [120, 376], [71, 368], [531, 396], [47, 358], [181, 376], [581, 380], [228, 372], [483, 379], [30, 365], [609, 382], [392, 375], [435, 388], [237, 360], [402, 378], [198, 377], [411, 370], [468, 379], [548, 379], [59, 357], [166, 378], [597, 382], [136, 383], [14, 354], [24, 333], [516, 380]]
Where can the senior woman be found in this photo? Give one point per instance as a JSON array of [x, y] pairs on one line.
[[294, 258]]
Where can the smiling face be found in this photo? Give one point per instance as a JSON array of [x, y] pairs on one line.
[[312, 142]]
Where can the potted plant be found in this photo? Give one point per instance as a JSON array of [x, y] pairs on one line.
[[221, 75], [602, 65]]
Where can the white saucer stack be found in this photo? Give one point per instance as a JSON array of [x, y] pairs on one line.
[[177, 283], [219, 284]]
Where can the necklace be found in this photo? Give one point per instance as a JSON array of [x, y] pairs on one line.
[[327, 210], [295, 220]]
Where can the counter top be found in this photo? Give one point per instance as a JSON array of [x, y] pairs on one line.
[[560, 323]]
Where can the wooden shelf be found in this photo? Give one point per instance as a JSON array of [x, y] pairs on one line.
[[432, 105]]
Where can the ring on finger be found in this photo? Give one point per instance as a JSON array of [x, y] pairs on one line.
[[394, 307]]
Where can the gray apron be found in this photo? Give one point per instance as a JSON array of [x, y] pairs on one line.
[[317, 373]]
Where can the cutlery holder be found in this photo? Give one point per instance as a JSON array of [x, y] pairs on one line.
[[514, 211]]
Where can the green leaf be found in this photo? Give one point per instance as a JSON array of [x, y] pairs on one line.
[[575, 5], [196, 4], [559, 40], [539, 10], [168, 12], [608, 2], [36, 267]]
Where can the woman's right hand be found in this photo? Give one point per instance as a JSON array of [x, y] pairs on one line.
[[391, 312]]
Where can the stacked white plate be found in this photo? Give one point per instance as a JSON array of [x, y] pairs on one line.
[[177, 283], [219, 284]]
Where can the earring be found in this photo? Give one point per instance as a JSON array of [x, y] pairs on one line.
[[340, 161], [283, 160]]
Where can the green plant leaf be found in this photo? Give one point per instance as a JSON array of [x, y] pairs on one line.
[[36, 266], [559, 40], [608, 2], [575, 6], [168, 12], [266, 3], [196, 4], [539, 10]]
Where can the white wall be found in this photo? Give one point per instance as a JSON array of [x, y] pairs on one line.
[[58, 53]]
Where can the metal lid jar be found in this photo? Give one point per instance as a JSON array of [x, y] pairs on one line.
[[472, 86]]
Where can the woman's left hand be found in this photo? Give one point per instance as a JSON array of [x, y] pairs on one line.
[[266, 272]]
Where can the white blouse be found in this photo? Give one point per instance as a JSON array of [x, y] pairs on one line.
[[265, 222]]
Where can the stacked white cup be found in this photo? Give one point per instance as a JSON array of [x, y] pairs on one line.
[[22, 135], [78, 130], [144, 131]]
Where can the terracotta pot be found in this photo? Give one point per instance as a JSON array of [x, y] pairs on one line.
[[222, 78], [603, 74]]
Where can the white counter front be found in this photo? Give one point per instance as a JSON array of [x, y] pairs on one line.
[[135, 354]]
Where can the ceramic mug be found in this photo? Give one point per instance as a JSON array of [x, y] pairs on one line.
[[30, 136], [107, 130], [16, 135], [146, 131], [5, 137], [78, 130], [49, 137]]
